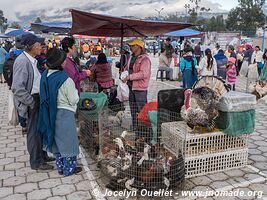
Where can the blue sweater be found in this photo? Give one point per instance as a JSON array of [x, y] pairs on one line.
[[48, 104]]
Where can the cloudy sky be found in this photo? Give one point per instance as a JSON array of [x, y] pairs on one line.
[[57, 10]]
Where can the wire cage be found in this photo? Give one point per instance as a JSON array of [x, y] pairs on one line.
[[130, 154]]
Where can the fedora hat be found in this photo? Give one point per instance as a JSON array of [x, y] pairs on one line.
[[55, 57]]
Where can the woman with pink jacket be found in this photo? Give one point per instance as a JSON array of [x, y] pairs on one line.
[[139, 68]]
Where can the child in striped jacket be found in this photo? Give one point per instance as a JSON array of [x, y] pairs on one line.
[[231, 73]]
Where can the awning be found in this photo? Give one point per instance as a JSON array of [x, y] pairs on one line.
[[85, 23], [53, 27], [184, 33]]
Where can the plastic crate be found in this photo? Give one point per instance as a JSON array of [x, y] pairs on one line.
[[212, 163], [177, 137]]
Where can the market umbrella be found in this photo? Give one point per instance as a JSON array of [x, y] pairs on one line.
[[16, 33], [55, 27], [187, 32], [86, 23]]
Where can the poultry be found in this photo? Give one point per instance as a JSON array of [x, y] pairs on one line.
[[200, 108]]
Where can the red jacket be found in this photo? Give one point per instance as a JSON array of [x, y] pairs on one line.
[[141, 72]]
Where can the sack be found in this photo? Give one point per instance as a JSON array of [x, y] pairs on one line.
[[13, 117], [244, 68], [253, 72], [122, 91], [143, 114]]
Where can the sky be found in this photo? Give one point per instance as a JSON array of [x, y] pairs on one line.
[[57, 10]]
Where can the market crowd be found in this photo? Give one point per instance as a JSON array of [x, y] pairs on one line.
[[45, 77]]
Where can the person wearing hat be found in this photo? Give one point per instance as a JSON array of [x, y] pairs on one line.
[[125, 56], [58, 104], [26, 88], [139, 69], [231, 73]]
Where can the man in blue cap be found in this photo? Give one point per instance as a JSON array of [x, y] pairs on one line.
[[26, 87]]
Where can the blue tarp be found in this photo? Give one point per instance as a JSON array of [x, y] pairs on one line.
[[187, 32], [16, 33], [56, 27]]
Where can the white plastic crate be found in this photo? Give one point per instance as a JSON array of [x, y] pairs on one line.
[[177, 137], [212, 163]]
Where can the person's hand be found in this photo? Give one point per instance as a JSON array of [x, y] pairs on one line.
[[88, 72], [126, 79]]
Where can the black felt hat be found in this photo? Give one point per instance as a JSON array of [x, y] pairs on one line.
[[55, 57]]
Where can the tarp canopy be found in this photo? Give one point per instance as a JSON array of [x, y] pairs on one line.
[[187, 32], [86, 23], [55, 27], [16, 33]]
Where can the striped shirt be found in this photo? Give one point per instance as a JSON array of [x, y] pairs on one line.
[[231, 74]]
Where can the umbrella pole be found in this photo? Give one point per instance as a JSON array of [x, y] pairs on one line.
[[121, 46]]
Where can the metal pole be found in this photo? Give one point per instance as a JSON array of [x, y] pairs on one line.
[[263, 35], [121, 44]]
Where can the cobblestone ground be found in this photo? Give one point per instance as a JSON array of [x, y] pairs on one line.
[[19, 182]]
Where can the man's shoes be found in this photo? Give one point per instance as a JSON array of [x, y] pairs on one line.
[[171, 80], [44, 166], [49, 159], [76, 171]]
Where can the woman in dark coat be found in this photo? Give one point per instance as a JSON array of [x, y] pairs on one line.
[[221, 61]]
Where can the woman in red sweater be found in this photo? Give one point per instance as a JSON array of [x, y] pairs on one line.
[[102, 72]]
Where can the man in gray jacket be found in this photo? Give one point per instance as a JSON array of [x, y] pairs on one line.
[[25, 87]]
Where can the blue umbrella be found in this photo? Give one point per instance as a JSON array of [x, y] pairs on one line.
[[187, 32], [16, 33]]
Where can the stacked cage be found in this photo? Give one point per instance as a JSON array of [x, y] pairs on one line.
[[205, 152], [130, 154]]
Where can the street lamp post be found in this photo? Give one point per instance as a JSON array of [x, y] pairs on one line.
[[159, 11], [187, 6], [263, 38]]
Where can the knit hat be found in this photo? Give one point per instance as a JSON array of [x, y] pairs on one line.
[[55, 58], [137, 42], [126, 48], [231, 60]]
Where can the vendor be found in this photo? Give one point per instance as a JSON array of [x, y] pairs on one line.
[[102, 73]]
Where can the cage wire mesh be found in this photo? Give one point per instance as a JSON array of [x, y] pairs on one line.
[[130, 156]]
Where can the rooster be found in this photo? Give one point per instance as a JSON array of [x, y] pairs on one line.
[[200, 108]]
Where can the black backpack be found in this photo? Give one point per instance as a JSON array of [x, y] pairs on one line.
[[8, 68]]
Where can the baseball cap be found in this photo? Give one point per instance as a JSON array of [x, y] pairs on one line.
[[31, 39], [137, 42]]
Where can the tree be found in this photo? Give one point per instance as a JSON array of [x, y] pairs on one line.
[[3, 22], [38, 20], [246, 17], [15, 25]]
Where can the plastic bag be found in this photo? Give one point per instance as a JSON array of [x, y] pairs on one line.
[[244, 68], [122, 91], [253, 72], [13, 117]]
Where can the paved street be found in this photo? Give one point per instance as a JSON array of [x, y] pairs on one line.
[[19, 182]]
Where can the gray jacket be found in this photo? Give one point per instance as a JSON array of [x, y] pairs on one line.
[[22, 85]]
